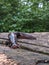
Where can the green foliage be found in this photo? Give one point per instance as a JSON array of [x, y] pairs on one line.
[[24, 15]]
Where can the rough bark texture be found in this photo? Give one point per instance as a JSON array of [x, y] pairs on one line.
[[30, 50]]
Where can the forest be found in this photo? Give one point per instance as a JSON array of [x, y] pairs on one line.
[[24, 15]]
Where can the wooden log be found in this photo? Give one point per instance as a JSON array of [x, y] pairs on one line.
[[34, 42], [34, 48], [21, 36], [4, 35], [42, 48], [30, 42]]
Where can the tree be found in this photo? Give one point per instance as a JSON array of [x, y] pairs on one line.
[[24, 15]]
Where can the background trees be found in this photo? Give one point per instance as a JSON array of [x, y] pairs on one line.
[[24, 15]]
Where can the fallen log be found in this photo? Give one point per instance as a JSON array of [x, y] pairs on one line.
[[31, 43], [20, 35], [5, 37], [13, 36], [35, 48], [32, 47]]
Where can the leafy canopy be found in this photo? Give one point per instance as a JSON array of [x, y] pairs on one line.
[[24, 15]]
